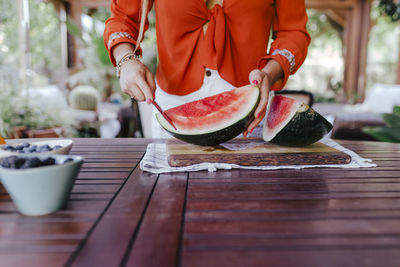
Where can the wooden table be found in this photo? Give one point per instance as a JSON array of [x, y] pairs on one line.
[[119, 216]]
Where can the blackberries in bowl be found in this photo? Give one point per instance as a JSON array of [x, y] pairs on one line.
[[54, 146], [28, 148], [39, 184], [15, 162]]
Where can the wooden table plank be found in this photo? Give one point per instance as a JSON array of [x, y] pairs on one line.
[[157, 243], [294, 205], [295, 258], [33, 259], [108, 242]]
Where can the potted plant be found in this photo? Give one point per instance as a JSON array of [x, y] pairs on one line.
[[21, 117], [389, 133]]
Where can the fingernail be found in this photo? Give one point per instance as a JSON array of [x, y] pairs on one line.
[[148, 100], [255, 82], [251, 131], [259, 115]]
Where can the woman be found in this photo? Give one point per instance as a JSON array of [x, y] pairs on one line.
[[206, 47]]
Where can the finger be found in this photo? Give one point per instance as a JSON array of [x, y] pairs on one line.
[[264, 88], [145, 88], [151, 82], [134, 92], [255, 122], [255, 77], [126, 89]]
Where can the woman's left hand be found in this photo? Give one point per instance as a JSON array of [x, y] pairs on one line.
[[263, 81]]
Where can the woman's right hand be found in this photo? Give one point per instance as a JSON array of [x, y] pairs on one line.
[[137, 81]]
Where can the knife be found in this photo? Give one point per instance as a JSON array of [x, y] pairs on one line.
[[163, 113]]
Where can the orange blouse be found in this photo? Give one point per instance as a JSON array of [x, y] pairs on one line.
[[235, 42]]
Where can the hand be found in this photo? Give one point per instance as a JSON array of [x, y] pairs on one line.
[[262, 80], [137, 81]]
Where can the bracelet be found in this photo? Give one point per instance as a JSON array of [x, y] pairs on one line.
[[124, 59]]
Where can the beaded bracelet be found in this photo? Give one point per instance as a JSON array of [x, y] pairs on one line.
[[124, 59]]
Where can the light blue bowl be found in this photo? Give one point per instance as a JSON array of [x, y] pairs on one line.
[[41, 190]]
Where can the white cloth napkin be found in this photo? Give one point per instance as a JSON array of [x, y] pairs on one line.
[[156, 161]]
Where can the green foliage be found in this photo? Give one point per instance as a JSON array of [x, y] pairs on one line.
[[102, 52], [44, 38], [17, 110], [391, 9], [390, 133], [322, 30], [97, 68]]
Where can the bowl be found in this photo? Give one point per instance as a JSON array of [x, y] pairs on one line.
[[42, 190], [66, 145]]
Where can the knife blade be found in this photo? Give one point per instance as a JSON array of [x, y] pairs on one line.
[[163, 114]]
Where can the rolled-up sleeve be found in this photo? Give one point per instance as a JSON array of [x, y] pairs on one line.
[[123, 25], [291, 39]]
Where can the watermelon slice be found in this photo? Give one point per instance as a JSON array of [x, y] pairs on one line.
[[290, 122], [215, 119]]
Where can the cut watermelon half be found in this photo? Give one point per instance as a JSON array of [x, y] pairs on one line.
[[215, 119], [289, 122]]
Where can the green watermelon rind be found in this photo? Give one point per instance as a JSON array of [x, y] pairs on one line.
[[305, 128], [216, 137]]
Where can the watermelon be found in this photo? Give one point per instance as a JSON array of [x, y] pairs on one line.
[[215, 119], [289, 122]]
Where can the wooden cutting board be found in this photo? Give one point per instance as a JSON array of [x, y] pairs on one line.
[[253, 152]]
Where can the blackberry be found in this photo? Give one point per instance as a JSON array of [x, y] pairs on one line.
[[19, 148], [48, 161], [8, 162], [57, 147], [68, 160], [9, 148], [31, 163], [25, 144]]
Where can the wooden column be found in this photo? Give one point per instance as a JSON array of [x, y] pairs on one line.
[[356, 45], [356, 30], [74, 10]]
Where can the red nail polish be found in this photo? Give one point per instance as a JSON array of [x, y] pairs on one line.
[[255, 82], [148, 100], [258, 116]]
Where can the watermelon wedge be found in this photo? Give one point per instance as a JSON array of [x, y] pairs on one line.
[[215, 119], [290, 122]]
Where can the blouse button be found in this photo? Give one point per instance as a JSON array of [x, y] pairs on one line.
[[208, 73]]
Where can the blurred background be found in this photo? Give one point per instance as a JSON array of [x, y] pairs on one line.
[[56, 78]]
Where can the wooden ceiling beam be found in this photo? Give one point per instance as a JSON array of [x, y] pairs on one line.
[[336, 16], [95, 3], [330, 4], [91, 3]]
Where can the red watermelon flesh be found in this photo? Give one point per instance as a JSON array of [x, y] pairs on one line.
[[280, 111], [214, 112]]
